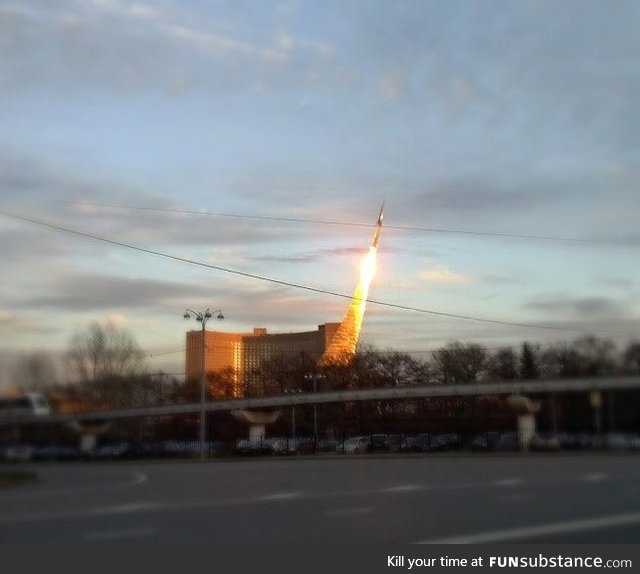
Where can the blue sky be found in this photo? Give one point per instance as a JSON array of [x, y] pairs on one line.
[[508, 117]]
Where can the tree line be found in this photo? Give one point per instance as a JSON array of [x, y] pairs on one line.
[[455, 362], [106, 368]]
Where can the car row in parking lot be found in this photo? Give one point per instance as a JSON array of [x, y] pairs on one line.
[[284, 446], [360, 444], [435, 442], [109, 451]]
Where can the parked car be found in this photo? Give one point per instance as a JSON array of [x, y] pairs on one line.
[[19, 453], [507, 441], [301, 445], [480, 443], [243, 446], [355, 445], [112, 451], [400, 443], [428, 442], [449, 441], [217, 448], [151, 450], [260, 446], [174, 448], [621, 441], [328, 445], [56, 452], [422, 442], [379, 443], [545, 441], [577, 441], [276, 445]]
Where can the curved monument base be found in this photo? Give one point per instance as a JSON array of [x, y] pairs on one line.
[[257, 421], [89, 433]]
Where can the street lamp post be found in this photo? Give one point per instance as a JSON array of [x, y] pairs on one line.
[[315, 377], [293, 421], [293, 411], [202, 318]]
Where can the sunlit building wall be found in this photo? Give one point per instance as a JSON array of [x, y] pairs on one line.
[[241, 353]]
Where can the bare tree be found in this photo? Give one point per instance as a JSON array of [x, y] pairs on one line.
[[459, 363], [529, 361], [104, 351], [223, 384], [397, 369], [280, 373], [586, 356], [503, 365], [631, 358], [597, 355], [35, 372]]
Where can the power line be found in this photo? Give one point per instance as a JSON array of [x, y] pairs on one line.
[[151, 355], [279, 281], [352, 224]]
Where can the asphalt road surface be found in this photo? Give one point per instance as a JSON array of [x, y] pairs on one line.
[[593, 498]]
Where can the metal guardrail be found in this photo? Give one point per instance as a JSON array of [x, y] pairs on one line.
[[425, 391]]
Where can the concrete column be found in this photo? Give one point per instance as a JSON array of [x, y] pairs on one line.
[[256, 432], [595, 400], [525, 410], [89, 433], [526, 430], [257, 421], [88, 442]]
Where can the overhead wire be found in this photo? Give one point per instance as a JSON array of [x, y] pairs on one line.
[[281, 282], [152, 355], [350, 223]]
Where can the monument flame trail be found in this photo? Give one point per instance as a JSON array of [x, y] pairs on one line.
[[343, 345]]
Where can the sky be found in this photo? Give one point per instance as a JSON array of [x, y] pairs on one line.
[[498, 117]]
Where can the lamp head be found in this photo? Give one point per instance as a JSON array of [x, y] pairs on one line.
[[220, 316], [186, 315], [207, 315]]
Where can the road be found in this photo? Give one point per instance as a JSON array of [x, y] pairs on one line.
[[593, 498]]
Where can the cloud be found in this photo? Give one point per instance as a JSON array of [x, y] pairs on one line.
[[117, 319], [392, 85], [21, 246], [622, 283], [12, 323], [30, 186], [130, 46], [119, 298], [442, 275], [318, 255], [580, 307], [480, 193], [92, 292]]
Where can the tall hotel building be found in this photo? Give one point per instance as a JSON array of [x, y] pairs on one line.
[[244, 352]]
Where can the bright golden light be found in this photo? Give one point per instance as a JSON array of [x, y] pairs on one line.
[[345, 341], [368, 267]]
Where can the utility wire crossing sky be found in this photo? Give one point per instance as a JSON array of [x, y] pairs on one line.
[[277, 281]]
